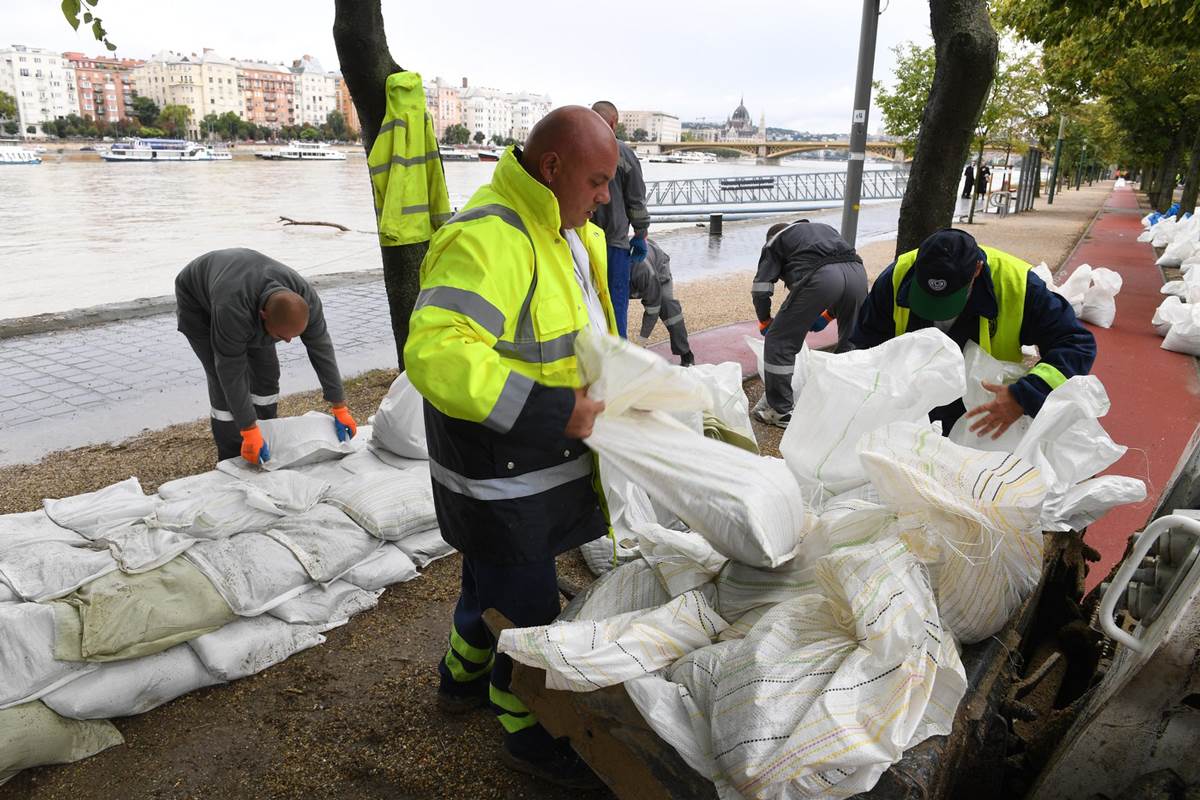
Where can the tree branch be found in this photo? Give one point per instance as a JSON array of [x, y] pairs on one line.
[[289, 221]]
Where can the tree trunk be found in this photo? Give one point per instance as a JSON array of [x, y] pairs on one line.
[[1161, 198], [1193, 175], [966, 49], [1145, 176], [366, 64]]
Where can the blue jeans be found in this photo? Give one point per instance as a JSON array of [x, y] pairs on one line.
[[618, 285]]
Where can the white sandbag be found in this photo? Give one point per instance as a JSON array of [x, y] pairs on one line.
[[32, 735], [729, 403], [392, 460], [326, 607], [1184, 335], [425, 547], [662, 704], [1184, 247], [140, 546], [1042, 270], [829, 689], [682, 560], [369, 460], [251, 571], [40, 560], [1075, 287], [1067, 443], [625, 376], [1169, 311], [299, 441], [603, 553], [1099, 301], [27, 661], [973, 517], [241, 507], [325, 541], [389, 505], [1164, 232], [192, 485], [586, 655], [91, 513], [630, 587], [849, 394], [7, 594], [125, 688], [982, 366], [248, 646], [388, 565], [748, 507], [400, 421]]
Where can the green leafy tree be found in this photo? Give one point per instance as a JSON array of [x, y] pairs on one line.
[[903, 105], [8, 106], [77, 11], [620, 132], [145, 109], [31, 129], [640, 135], [11, 128], [479, 137], [174, 119], [336, 121], [456, 135], [150, 132], [310, 134], [497, 140], [209, 125]]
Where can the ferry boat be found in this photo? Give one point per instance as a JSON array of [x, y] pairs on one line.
[[303, 151], [154, 150], [18, 155], [454, 154], [694, 157]]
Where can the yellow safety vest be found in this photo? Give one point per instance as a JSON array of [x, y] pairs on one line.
[[499, 306], [1000, 337], [407, 181]]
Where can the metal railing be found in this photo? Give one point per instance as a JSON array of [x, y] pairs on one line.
[[791, 188]]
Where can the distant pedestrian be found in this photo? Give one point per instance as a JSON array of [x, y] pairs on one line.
[[650, 281], [968, 181], [626, 207], [962, 206], [825, 279], [234, 306], [983, 181]]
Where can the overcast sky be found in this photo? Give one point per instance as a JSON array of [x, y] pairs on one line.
[[795, 61]]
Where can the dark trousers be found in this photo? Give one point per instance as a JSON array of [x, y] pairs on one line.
[[618, 286], [263, 364], [528, 595], [839, 288]]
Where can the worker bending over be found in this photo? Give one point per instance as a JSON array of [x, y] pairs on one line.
[[650, 281]]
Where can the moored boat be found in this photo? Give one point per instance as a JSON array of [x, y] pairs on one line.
[[18, 155], [156, 150]]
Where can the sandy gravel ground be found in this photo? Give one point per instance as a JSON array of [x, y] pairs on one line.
[[354, 718]]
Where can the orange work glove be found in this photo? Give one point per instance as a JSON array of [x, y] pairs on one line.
[[762, 326], [344, 423], [254, 446]]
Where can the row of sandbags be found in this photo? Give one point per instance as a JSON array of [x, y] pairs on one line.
[[1177, 318], [1180, 236], [114, 602], [1091, 291], [791, 627]]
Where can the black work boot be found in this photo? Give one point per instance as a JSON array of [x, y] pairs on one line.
[[687, 359]]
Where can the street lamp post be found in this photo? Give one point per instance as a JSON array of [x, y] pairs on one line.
[[858, 123], [1079, 169], [1062, 126]]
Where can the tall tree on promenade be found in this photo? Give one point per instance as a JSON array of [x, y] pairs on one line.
[[966, 48], [8, 106], [366, 64]]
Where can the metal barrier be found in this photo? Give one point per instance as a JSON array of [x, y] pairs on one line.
[[790, 188]]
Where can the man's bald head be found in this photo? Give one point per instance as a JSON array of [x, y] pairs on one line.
[[607, 112], [572, 152], [285, 315]]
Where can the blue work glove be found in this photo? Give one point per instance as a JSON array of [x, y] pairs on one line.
[[821, 321], [638, 249]]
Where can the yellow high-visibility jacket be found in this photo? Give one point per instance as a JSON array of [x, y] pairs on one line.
[[491, 347]]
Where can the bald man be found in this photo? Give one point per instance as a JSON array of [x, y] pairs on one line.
[[507, 285], [233, 306]]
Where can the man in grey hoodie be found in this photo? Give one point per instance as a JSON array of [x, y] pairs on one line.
[[626, 208], [233, 306]]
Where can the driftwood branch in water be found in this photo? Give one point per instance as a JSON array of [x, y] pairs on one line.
[[290, 221]]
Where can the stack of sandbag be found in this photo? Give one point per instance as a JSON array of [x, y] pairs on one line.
[[115, 601], [1183, 243], [1091, 291]]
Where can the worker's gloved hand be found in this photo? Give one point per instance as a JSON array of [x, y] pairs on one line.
[[821, 321], [254, 446], [763, 326], [637, 249], [343, 423]]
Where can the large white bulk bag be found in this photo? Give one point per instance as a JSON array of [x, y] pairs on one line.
[[400, 422]]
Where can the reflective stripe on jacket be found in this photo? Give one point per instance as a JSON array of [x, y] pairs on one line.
[[491, 347], [407, 181]]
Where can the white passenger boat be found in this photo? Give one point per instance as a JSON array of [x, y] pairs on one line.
[[18, 155], [155, 150], [303, 151]]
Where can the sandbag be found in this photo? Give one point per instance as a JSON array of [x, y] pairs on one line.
[[1184, 335], [389, 505], [41, 561], [250, 645], [850, 394], [627, 377], [252, 571], [91, 513], [748, 507], [1169, 311], [31, 735], [140, 546], [325, 541], [829, 689], [729, 403], [215, 510], [299, 441], [388, 565], [192, 485], [982, 366], [634, 586], [326, 607], [1075, 287], [400, 421], [586, 655], [27, 661], [425, 547], [682, 560], [1099, 301], [973, 517], [125, 688], [121, 616], [1182, 248]]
